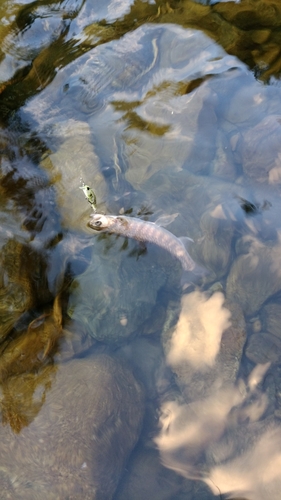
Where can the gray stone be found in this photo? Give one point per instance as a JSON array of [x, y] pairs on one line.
[[263, 347], [69, 430], [116, 295], [271, 314], [255, 275]]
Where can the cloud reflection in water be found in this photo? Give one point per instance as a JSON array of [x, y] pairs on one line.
[[198, 333], [224, 437]]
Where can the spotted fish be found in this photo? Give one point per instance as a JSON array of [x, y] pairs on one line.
[[143, 231]]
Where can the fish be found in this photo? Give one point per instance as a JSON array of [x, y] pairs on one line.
[[146, 232]]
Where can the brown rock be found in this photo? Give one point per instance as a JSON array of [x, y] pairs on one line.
[[20, 288], [250, 14], [31, 349]]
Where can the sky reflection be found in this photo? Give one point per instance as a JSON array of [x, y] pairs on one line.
[[223, 440], [198, 333]]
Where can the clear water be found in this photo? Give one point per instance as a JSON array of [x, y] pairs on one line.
[[116, 380]]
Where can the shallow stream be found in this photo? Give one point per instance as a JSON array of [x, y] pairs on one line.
[[121, 377]]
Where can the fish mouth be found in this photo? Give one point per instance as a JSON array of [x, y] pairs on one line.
[[92, 226]]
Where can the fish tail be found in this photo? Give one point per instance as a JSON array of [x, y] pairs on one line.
[[195, 276]]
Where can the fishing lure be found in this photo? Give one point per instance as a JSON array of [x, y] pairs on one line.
[[89, 195]]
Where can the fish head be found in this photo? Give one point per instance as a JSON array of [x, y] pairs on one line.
[[100, 222]]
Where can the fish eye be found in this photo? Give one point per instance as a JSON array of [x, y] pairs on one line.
[[98, 223]]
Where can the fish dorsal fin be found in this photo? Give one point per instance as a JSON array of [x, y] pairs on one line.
[[165, 220], [185, 240]]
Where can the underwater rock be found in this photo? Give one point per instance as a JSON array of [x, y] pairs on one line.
[[115, 296], [190, 121], [255, 275], [146, 358], [271, 314], [26, 267], [223, 164], [246, 108], [261, 151], [214, 248], [23, 282], [73, 161], [33, 348], [263, 347], [255, 443], [229, 211], [130, 120], [277, 390], [29, 257], [14, 301], [30, 277], [68, 430], [214, 437], [205, 346], [37, 251], [249, 15], [147, 478]]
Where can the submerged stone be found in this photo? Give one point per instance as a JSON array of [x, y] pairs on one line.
[[215, 436], [116, 295], [255, 275], [261, 150], [263, 347], [20, 289], [33, 348], [74, 162], [271, 314], [147, 478], [67, 431], [214, 248]]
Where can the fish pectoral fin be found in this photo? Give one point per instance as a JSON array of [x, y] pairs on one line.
[[142, 246], [165, 220], [139, 250]]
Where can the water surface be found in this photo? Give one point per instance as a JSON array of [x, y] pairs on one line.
[[166, 109]]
